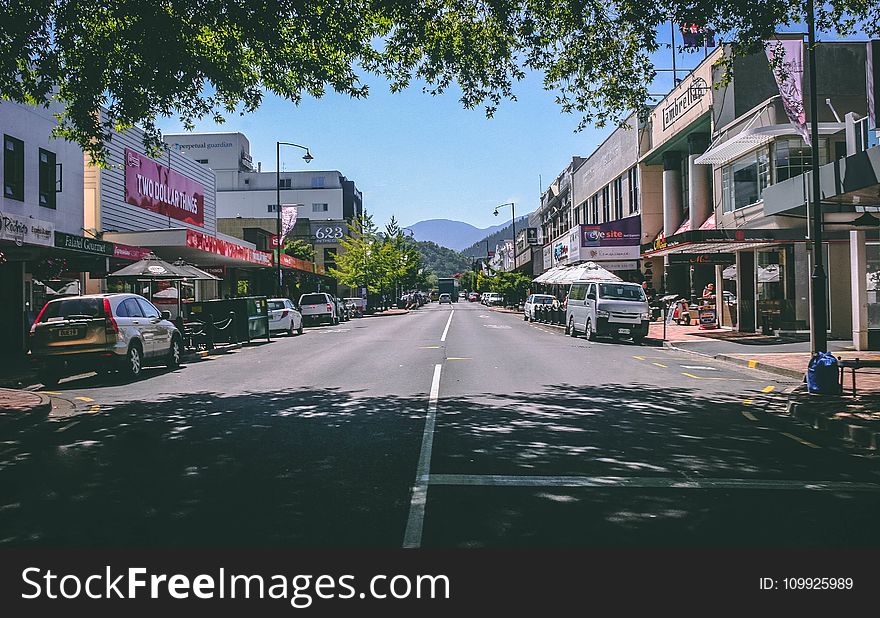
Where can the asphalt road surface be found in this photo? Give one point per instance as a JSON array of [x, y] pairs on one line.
[[451, 426]]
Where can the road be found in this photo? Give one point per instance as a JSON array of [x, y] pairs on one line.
[[451, 426]]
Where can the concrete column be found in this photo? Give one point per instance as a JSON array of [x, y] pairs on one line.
[[699, 181], [858, 280], [841, 301], [746, 306], [671, 192], [719, 295]]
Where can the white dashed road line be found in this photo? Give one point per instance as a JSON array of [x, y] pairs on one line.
[[448, 322]]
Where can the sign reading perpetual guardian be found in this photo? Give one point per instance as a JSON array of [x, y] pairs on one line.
[[154, 187]]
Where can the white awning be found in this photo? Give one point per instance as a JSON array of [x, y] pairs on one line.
[[565, 275], [754, 137]]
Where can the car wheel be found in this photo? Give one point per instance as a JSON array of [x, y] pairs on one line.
[[174, 354], [291, 331], [571, 329], [134, 362], [299, 331], [638, 339], [588, 331]]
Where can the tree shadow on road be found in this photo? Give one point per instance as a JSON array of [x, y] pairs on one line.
[[327, 468]]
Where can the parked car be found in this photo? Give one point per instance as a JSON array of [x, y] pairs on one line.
[[317, 307], [483, 297], [284, 317], [494, 299], [462, 296], [359, 304], [102, 332], [532, 301], [341, 309], [612, 308], [445, 298], [473, 297]]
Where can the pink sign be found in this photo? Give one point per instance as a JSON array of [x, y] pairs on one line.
[[212, 244], [154, 187], [127, 252]]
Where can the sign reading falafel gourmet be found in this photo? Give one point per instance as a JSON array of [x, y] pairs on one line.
[[154, 187]]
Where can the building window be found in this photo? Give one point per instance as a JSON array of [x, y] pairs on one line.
[[317, 182], [633, 190], [202, 161], [48, 180], [13, 168], [329, 258], [319, 208], [271, 208], [577, 216], [792, 157], [606, 203], [618, 197], [743, 181], [594, 209], [284, 183]]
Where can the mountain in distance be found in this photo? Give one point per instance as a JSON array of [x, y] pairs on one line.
[[454, 235], [504, 232], [442, 261]]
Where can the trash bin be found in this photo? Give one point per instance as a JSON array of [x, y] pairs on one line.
[[823, 377]]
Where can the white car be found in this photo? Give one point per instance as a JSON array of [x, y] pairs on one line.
[[317, 307], [284, 318], [445, 298], [532, 301], [494, 299]]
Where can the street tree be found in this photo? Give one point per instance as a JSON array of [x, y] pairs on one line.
[[210, 58], [295, 247], [356, 263]]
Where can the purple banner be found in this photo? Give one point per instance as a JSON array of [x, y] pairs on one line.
[[154, 187], [621, 233], [787, 63]]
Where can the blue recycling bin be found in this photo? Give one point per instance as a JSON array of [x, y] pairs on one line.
[[823, 374]]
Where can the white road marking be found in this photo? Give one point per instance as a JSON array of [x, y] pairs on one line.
[[448, 322], [646, 482], [501, 326], [412, 538], [483, 316], [700, 367]]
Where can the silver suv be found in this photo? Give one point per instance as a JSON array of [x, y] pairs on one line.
[[102, 332]]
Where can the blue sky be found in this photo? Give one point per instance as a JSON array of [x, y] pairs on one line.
[[420, 157]]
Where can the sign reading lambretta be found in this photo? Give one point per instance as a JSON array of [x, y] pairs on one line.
[[683, 102], [21, 229], [154, 187]]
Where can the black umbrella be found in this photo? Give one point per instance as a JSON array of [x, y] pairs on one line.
[[152, 267]]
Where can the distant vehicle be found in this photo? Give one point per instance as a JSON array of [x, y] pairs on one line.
[[317, 307], [102, 332], [462, 296], [341, 309], [359, 305], [612, 308], [448, 285], [494, 299], [445, 298], [473, 297], [532, 301], [284, 317]]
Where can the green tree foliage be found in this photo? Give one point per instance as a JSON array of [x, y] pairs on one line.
[[442, 261], [196, 58], [513, 286], [299, 249]]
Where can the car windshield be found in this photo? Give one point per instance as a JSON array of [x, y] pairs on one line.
[[73, 307], [621, 291], [312, 299], [544, 300], [274, 305]]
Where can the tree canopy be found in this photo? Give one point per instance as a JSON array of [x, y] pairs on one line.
[[197, 58]]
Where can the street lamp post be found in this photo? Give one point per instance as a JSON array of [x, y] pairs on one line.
[[278, 241], [513, 223], [818, 314]]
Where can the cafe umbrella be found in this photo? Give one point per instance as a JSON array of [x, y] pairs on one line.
[[145, 274]]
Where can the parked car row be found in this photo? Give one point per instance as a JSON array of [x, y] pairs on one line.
[[125, 332]]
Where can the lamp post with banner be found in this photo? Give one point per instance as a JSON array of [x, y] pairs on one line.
[[278, 235]]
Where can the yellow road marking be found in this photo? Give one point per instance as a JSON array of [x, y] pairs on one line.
[[86, 399], [659, 364], [801, 440], [458, 358], [753, 364], [768, 389], [203, 353], [639, 357], [749, 415], [748, 402], [94, 408], [49, 392]]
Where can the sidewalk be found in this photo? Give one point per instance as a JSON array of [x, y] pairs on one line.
[[13, 400], [856, 420]]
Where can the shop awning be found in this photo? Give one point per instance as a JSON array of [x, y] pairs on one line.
[[565, 275], [719, 241], [754, 137]]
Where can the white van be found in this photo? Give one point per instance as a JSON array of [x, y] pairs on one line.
[[613, 308]]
